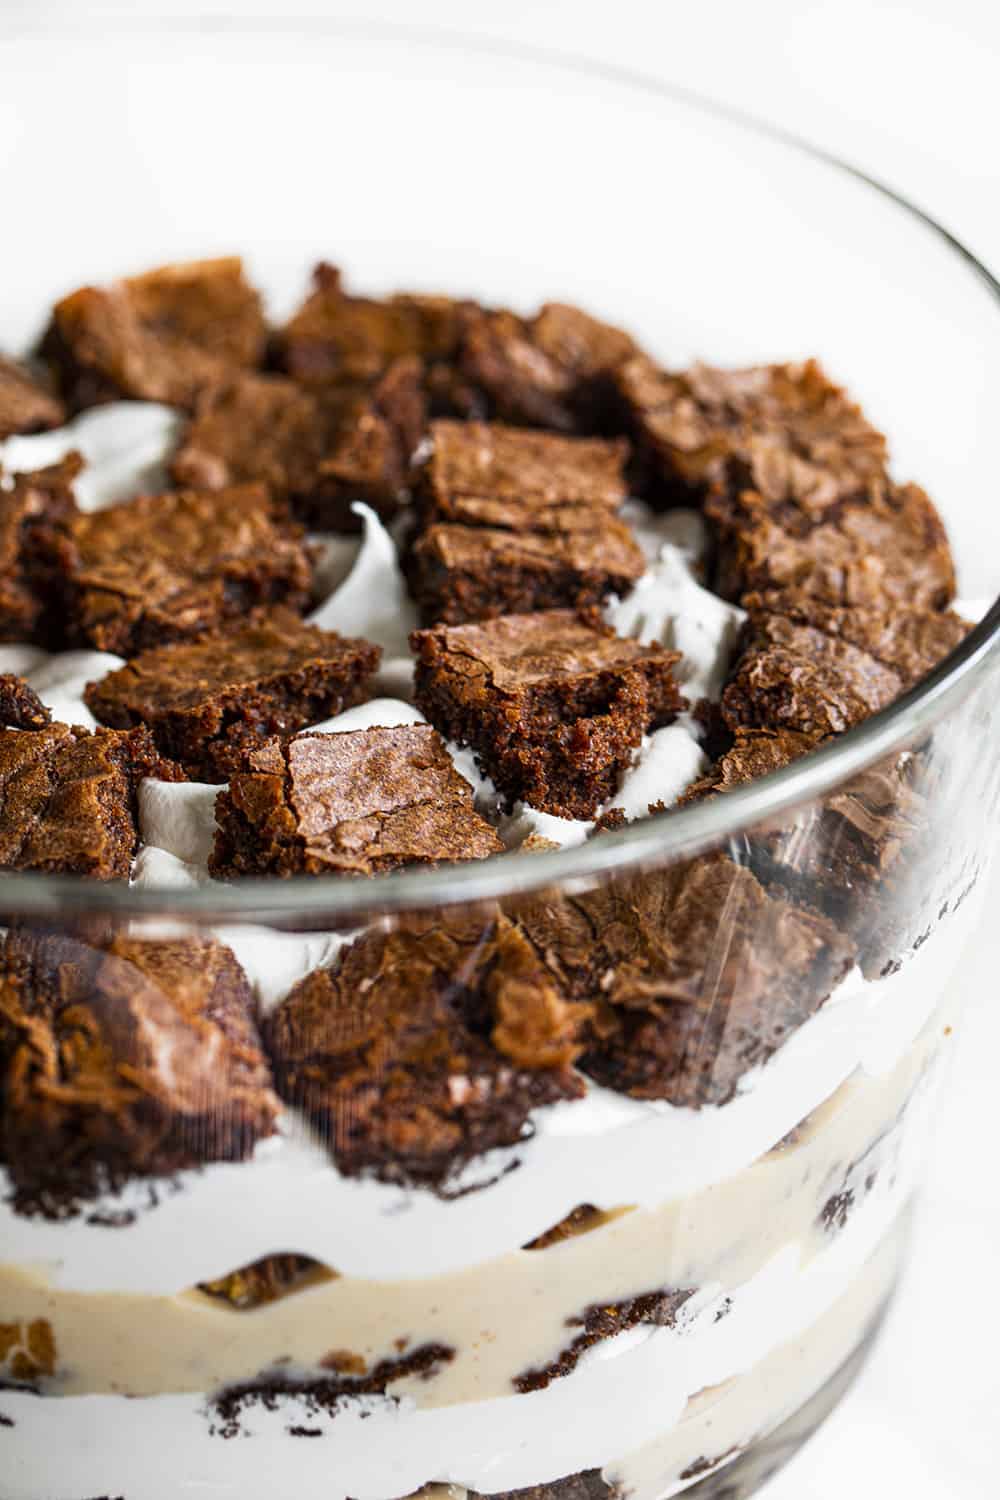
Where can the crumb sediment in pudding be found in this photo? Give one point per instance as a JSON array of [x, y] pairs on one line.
[[691, 1019]]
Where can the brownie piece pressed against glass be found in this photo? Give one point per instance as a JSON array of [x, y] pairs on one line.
[[698, 975], [554, 704], [68, 798], [319, 448], [169, 567], [163, 336], [20, 705], [426, 1046], [784, 430], [25, 404], [129, 1058], [207, 702], [355, 803], [37, 508]]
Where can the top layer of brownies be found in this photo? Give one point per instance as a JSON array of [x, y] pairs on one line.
[[507, 446]]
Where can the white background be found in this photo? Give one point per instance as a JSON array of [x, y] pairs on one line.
[[911, 92]]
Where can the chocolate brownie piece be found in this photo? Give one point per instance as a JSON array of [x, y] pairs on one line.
[[337, 336], [554, 370], [785, 431], [25, 404], [461, 573], [425, 1046], [20, 705], [487, 474], [68, 798], [554, 704], [163, 336], [132, 1057], [169, 567], [698, 972], [862, 855], [208, 702], [354, 803], [321, 449], [33, 512], [882, 545], [818, 670]]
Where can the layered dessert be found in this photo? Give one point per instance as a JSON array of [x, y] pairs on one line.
[[579, 1191]]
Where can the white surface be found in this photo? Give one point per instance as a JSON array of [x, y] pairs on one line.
[[910, 91]]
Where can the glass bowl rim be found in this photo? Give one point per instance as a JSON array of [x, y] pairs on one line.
[[647, 843]]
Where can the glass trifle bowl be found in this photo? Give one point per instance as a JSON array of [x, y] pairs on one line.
[[575, 1156]]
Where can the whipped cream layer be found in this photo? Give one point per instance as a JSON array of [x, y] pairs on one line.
[[624, 1396], [515, 1312], [605, 1149]]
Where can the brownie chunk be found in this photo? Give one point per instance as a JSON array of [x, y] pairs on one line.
[[554, 704], [461, 573], [487, 474], [163, 336], [20, 705], [129, 1058], [337, 336], [862, 855], [819, 670], [699, 975], [67, 799], [168, 567], [785, 431], [355, 803], [33, 513], [426, 1046], [207, 702], [885, 545], [25, 404], [554, 370], [321, 449]]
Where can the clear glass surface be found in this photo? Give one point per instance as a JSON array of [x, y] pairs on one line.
[[752, 1216]]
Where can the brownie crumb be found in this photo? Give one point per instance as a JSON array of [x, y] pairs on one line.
[[424, 1047], [171, 567], [20, 705], [354, 803], [554, 704], [266, 1281], [208, 703], [26, 405], [127, 1058], [603, 1321], [322, 1396], [580, 1220], [162, 336]]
